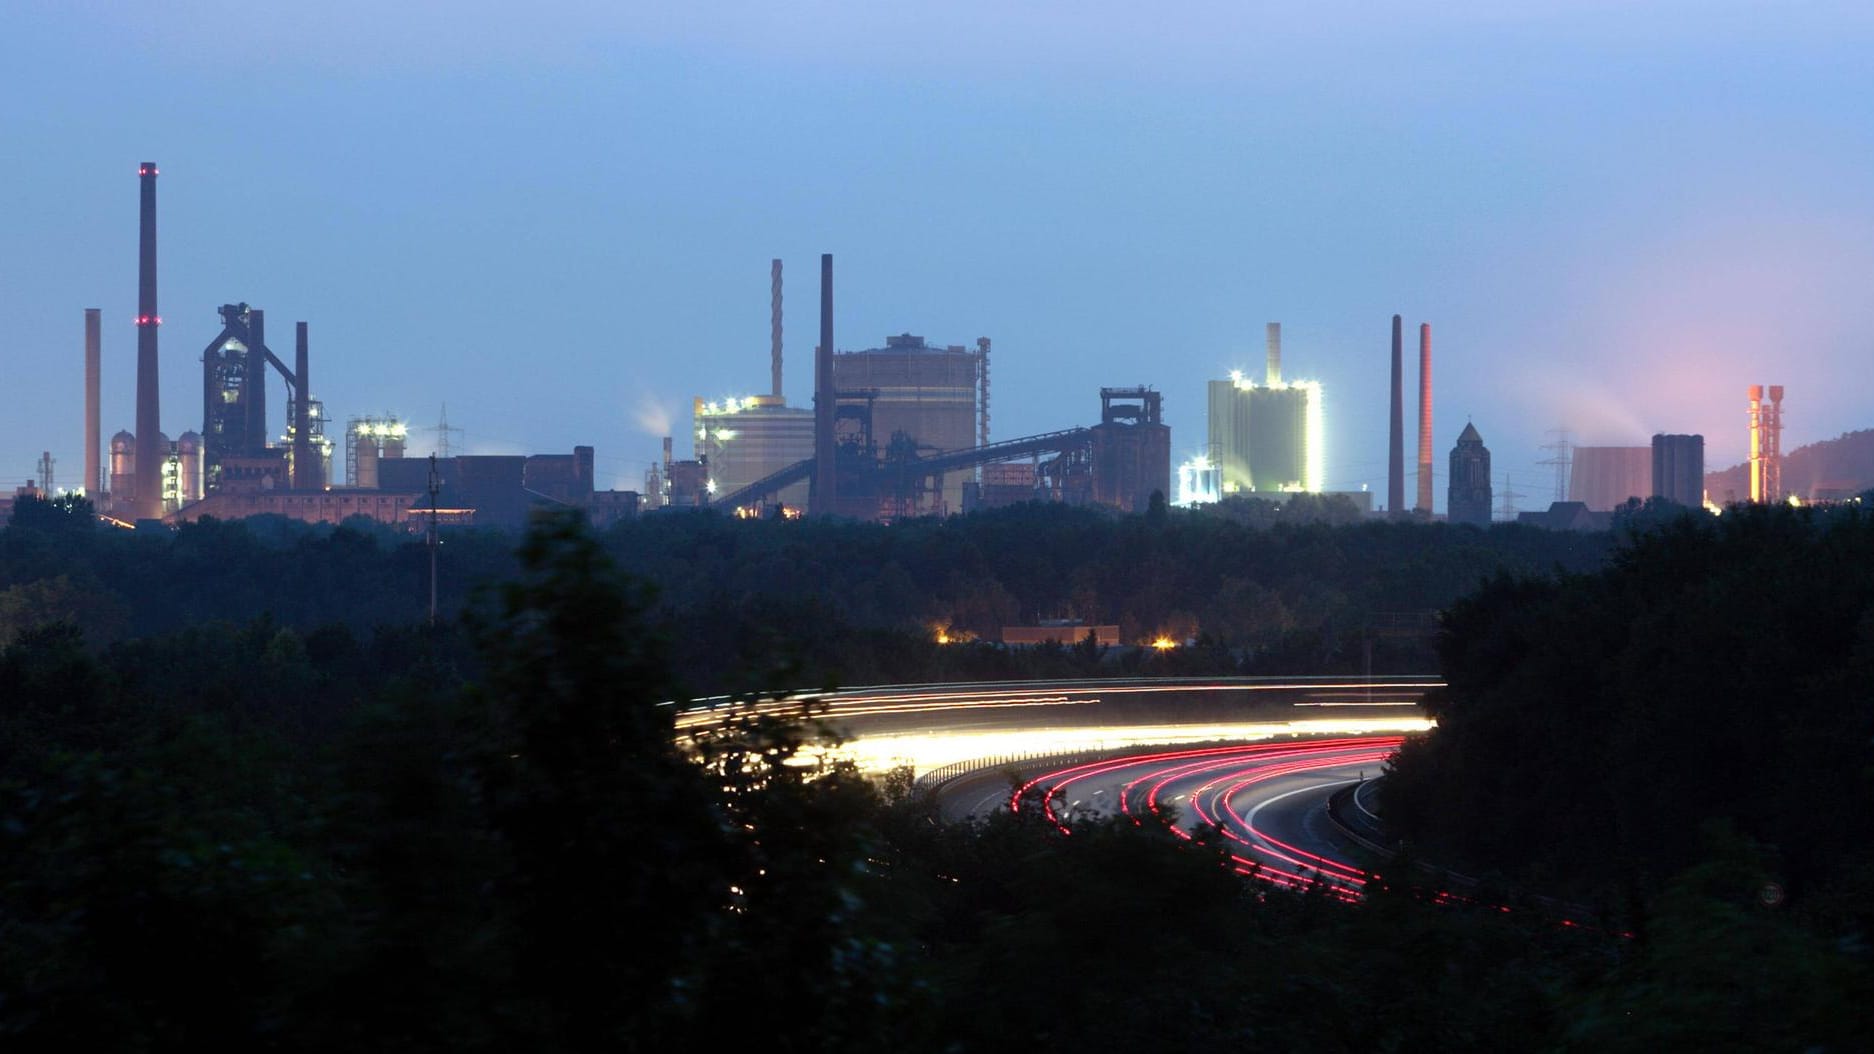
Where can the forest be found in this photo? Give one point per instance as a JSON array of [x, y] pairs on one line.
[[1253, 587], [281, 812]]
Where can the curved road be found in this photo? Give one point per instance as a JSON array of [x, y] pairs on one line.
[[1268, 800], [954, 727], [1234, 760]]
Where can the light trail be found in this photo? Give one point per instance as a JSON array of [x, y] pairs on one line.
[[931, 726], [1221, 782]]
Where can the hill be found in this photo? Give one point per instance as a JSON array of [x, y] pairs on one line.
[[1833, 467]]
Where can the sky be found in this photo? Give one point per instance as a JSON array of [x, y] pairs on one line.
[[556, 219]]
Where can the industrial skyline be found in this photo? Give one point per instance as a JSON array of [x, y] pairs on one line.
[[1617, 268]]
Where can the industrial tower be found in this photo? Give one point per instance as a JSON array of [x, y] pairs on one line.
[[151, 448], [1766, 444]]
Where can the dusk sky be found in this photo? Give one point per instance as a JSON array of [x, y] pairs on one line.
[[557, 218]]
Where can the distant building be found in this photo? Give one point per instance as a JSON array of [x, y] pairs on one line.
[[746, 440], [929, 394], [1004, 484], [1266, 438], [1567, 516], [482, 490], [1131, 449], [1604, 477], [1468, 500], [318, 506], [1199, 483], [179, 472], [29, 490], [1679, 469], [1063, 632]]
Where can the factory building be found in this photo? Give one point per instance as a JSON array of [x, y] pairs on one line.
[[1766, 444], [1131, 450], [1199, 483], [318, 448], [1468, 499], [481, 490], [234, 391], [1604, 477], [744, 440], [334, 506], [1009, 483], [1266, 438], [179, 473], [1679, 469], [929, 395], [370, 441]]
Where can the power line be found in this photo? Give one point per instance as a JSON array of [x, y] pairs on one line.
[[1506, 510], [1562, 459]]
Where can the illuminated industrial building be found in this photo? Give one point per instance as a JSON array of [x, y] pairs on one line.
[[178, 473], [368, 441], [927, 395], [1766, 444], [1604, 477], [1266, 438], [1199, 483], [1468, 499], [318, 447], [743, 440]]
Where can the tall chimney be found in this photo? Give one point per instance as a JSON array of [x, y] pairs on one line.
[[1275, 354], [1425, 419], [306, 474], [254, 382], [1773, 446], [1395, 451], [94, 482], [1755, 394], [666, 455], [148, 500], [821, 496], [774, 327]]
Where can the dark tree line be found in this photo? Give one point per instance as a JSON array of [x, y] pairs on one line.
[[1258, 588], [1685, 737], [252, 835]]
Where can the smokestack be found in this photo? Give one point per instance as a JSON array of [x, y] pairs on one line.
[[666, 455], [774, 326], [254, 381], [1395, 451], [1425, 418], [1773, 445], [148, 499], [305, 463], [1757, 491], [821, 495], [1275, 354], [93, 481]]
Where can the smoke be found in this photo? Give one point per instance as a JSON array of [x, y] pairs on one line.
[[652, 416], [1667, 332]]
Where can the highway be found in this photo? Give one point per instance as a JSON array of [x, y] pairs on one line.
[[937, 726], [1255, 757], [1267, 800]]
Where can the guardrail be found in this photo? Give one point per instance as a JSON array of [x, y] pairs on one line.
[[942, 774]]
